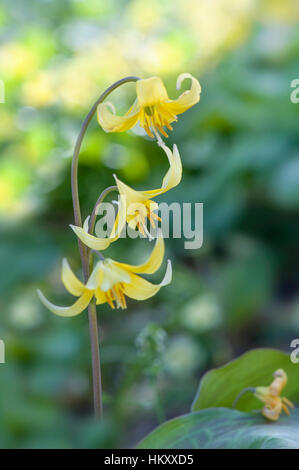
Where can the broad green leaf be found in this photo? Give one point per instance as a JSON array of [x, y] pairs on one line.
[[219, 387], [221, 428]]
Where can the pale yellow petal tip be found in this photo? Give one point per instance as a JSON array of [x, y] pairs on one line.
[[184, 76], [168, 275], [76, 230], [91, 241], [86, 224], [71, 311], [160, 233], [102, 107], [45, 301], [40, 294]]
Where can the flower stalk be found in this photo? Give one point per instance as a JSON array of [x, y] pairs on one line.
[[92, 314]]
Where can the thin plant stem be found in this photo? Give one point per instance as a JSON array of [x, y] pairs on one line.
[[92, 221], [245, 390], [97, 204], [92, 314]]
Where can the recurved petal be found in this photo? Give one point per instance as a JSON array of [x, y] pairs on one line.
[[86, 224], [173, 175], [111, 122], [152, 264], [188, 98], [91, 241], [70, 281], [71, 311], [140, 289]]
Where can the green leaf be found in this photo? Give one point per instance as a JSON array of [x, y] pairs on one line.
[[219, 387], [221, 428]]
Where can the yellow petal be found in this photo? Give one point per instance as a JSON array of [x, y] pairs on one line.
[[70, 281], [71, 311], [110, 122], [272, 410], [100, 297], [95, 277], [187, 99], [96, 243], [150, 92], [171, 179], [119, 221], [173, 175], [86, 224], [128, 194], [91, 241], [152, 264], [279, 382], [113, 274], [140, 289]]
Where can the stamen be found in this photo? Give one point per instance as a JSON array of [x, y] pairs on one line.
[[162, 131], [141, 228], [156, 217], [288, 402], [154, 127], [119, 295], [151, 219], [109, 299]]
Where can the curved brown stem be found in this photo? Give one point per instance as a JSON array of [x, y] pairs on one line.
[[92, 314]]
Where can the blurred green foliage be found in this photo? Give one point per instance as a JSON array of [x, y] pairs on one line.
[[239, 148]]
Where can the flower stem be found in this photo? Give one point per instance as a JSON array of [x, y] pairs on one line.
[[92, 315], [245, 390], [96, 206]]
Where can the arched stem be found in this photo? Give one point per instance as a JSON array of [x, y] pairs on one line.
[[245, 390], [92, 314], [92, 221], [97, 204]]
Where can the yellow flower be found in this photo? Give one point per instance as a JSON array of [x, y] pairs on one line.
[[152, 108], [135, 206], [110, 281], [274, 404]]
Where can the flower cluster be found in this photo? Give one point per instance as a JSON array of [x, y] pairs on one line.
[[270, 396], [111, 281]]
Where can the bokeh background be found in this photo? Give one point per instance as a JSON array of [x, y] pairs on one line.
[[239, 148]]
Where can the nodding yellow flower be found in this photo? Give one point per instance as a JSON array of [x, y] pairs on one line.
[[135, 207], [274, 404], [110, 281], [152, 108]]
